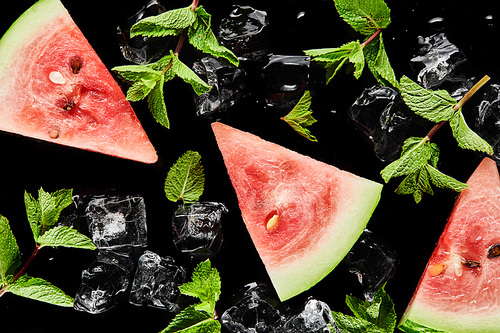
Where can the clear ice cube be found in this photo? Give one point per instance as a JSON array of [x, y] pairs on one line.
[[315, 318], [197, 227], [104, 283], [115, 221], [383, 118], [437, 60], [255, 311], [156, 282], [228, 87], [371, 262], [244, 32], [487, 122]]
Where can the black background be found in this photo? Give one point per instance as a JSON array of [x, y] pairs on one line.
[[409, 229]]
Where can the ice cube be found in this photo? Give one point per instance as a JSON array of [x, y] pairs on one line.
[[244, 32], [286, 77], [115, 221], [315, 318], [371, 262], [141, 49], [255, 311], [197, 227], [228, 87], [487, 122], [104, 283], [383, 118], [156, 282], [437, 60]]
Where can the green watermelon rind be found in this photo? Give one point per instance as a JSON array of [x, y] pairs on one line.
[[23, 29], [334, 246]]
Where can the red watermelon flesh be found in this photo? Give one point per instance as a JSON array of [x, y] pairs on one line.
[[459, 290], [303, 215], [54, 87]]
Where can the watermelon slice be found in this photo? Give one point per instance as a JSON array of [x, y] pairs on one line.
[[303, 215], [459, 290], [54, 87]]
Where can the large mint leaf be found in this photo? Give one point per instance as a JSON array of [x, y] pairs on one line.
[[191, 320], [364, 16], [169, 23], [378, 62], [66, 237], [433, 105], [467, 138], [40, 290], [200, 35], [10, 257], [185, 179], [156, 103]]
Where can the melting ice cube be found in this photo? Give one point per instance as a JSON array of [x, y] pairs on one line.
[[315, 318], [487, 123], [116, 221], [156, 282], [197, 227]]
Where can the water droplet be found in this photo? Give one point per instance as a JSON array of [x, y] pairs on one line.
[[301, 15], [436, 20]]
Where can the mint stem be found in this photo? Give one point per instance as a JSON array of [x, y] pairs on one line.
[[24, 269], [372, 37]]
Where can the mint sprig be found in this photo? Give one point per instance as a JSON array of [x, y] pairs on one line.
[[199, 317], [147, 81], [301, 117], [185, 180], [43, 214]]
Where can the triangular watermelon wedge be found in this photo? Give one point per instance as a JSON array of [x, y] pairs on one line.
[[303, 215], [54, 87], [459, 290]]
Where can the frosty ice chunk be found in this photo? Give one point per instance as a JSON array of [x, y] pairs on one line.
[[436, 61], [228, 87], [315, 318], [487, 123], [383, 118], [255, 311], [156, 282], [103, 284], [197, 227], [286, 78], [115, 221], [141, 49], [244, 32], [372, 263]]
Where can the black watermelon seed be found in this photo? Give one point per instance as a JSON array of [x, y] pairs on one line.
[[494, 251]]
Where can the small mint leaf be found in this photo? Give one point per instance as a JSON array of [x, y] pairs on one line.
[[10, 257], [354, 325], [185, 179], [441, 180], [467, 138], [365, 17], [191, 320], [185, 73], [66, 237], [156, 103], [134, 73], [301, 117], [410, 326], [40, 290], [169, 23], [200, 35], [141, 88], [378, 63], [433, 105]]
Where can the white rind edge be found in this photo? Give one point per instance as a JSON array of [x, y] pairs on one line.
[[336, 243]]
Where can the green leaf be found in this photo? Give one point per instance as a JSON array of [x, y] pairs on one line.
[[354, 325], [156, 103], [140, 89], [433, 105], [412, 327], [169, 23], [185, 73], [467, 138], [378, 63], [66, 237], [134, 73], [301, 117], [206, 284], [40, 290], [200, 35], [186, 179], [417, 183], [10, 257], [443, 181], [191, 320], [364, 16]]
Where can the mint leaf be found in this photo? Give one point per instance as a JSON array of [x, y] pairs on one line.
[[170, 23], [10, 257], [364, 16], [467, 138], [354, 325], [40, 290], [206, 284], [301, 117], [378, 63], [140, 89], [186, 179], [185, 73], [156, 103], [191, 320], [416, 183], [200, 35], [66, 237], [433, 105], [412, 327], [443, 181]]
